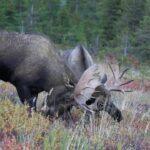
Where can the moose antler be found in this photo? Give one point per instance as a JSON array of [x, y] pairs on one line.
[[91, 82], [117, 84], [86, 86], [93, 92]]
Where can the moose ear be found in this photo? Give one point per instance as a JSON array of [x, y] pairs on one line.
[[79, 60]]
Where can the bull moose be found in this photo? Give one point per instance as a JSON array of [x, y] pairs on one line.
[[33, 64]]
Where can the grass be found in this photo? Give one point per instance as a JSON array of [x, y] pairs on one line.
[[20, 132]]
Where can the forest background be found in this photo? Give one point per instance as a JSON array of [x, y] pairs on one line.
[[118, 27]]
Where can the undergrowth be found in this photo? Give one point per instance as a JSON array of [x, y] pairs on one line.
[[18, 131]]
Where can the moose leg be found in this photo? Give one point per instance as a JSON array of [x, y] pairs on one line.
[[67, 118], [32, 102], [25, 95]]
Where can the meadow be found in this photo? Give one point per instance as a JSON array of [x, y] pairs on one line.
[[18, 131]]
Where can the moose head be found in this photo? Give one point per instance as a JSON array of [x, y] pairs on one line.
[[92, 93]]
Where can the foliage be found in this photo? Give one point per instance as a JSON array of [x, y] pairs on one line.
[[121, 25], [17, 127], [19, 131]]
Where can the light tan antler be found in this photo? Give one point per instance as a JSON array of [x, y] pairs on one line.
[[92, 92], [87, 86], [117, 84]]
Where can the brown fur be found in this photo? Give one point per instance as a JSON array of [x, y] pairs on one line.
[[31, 63]]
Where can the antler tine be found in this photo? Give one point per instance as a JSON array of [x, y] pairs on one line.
[[117, 90], [122, 74], [88, 87], [122, 91], [126, 82], [128, 91], [112, 71]]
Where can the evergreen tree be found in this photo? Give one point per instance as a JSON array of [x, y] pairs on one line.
[[116, 25]]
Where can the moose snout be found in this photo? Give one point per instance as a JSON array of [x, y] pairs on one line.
[[117, 115], [113, 111]]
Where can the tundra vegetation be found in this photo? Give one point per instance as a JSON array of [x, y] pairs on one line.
[[18, 131], [32, 64]]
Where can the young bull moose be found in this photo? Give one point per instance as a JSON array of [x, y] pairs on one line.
[[32, 64], [92, 93]]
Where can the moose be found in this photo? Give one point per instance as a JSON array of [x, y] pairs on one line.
[[33, 64]]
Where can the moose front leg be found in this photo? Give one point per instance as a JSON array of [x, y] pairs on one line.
[[32, 103], [25, 95], [67, 117]]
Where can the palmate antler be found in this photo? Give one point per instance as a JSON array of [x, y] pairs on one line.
[[89, 81], [117, 84], [93, 92]]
